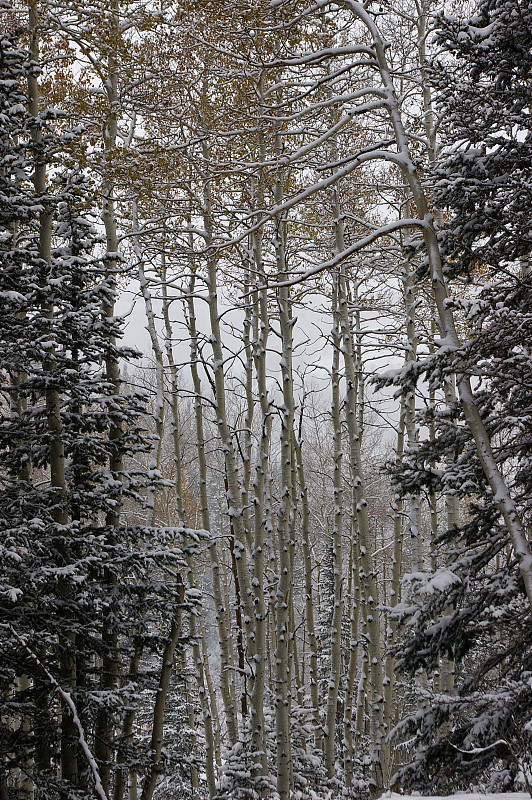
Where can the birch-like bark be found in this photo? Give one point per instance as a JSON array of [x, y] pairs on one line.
[[282, 656], [294, 649], [233, 493], [309, 596], [363, 673], [397, 569], [191, 716], [414, 503], [336, 621], [446, 678], [180, 505], [220, 604], [110, 671], [250, 409], [260, 346], [368, 578], [212, 697], [158, 412], [353, 655]]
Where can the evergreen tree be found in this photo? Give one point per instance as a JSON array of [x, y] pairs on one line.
[[78, 591], [474, 608]]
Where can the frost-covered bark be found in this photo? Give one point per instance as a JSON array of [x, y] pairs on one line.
[[220, 603], [233, 494], [284, 529], [367, 571], [158, 411], [261, 522], [338, 600]]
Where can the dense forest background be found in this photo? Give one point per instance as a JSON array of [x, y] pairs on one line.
[[284, 552]]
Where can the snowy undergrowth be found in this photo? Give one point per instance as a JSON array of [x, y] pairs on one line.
[[459, 796]]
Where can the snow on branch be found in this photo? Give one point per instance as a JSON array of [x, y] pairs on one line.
[[354, 248]]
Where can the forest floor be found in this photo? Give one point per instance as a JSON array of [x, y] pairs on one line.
[[459, 796]]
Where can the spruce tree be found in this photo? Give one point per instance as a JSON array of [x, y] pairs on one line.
[[68, 574], [473, 608]]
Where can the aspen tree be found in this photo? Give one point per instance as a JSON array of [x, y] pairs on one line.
[[234, 507], [338, 600], [260, 348], [158, 413], [282, 659], [368, 579], [220, 602], [309, 596]]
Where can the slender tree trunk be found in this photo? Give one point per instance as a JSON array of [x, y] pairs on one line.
[[157, 727], [158, 412], [397, 569], [336, 622], [309, 597], [110, 672], [414, 502], [260, 521], [221, 607], [181, 514], [233, 493], [368, 578], [353, 658], [282, 657]]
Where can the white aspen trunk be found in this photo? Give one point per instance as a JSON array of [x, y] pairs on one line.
[[294, 650], [181, 512], [353, 656], [368, 579], [110, 674], [212, 698], [446, 678], [220, 601], [309, 597], [282, 653], [397, 570], [204, 701], [259, 504], [414, 503], [363, 675], [452, 520], [233, 492], [224, 575], [433, 500], [250, 408], [336, 621], [158, 413]]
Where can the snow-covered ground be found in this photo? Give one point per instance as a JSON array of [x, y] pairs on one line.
[[459, 796]]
